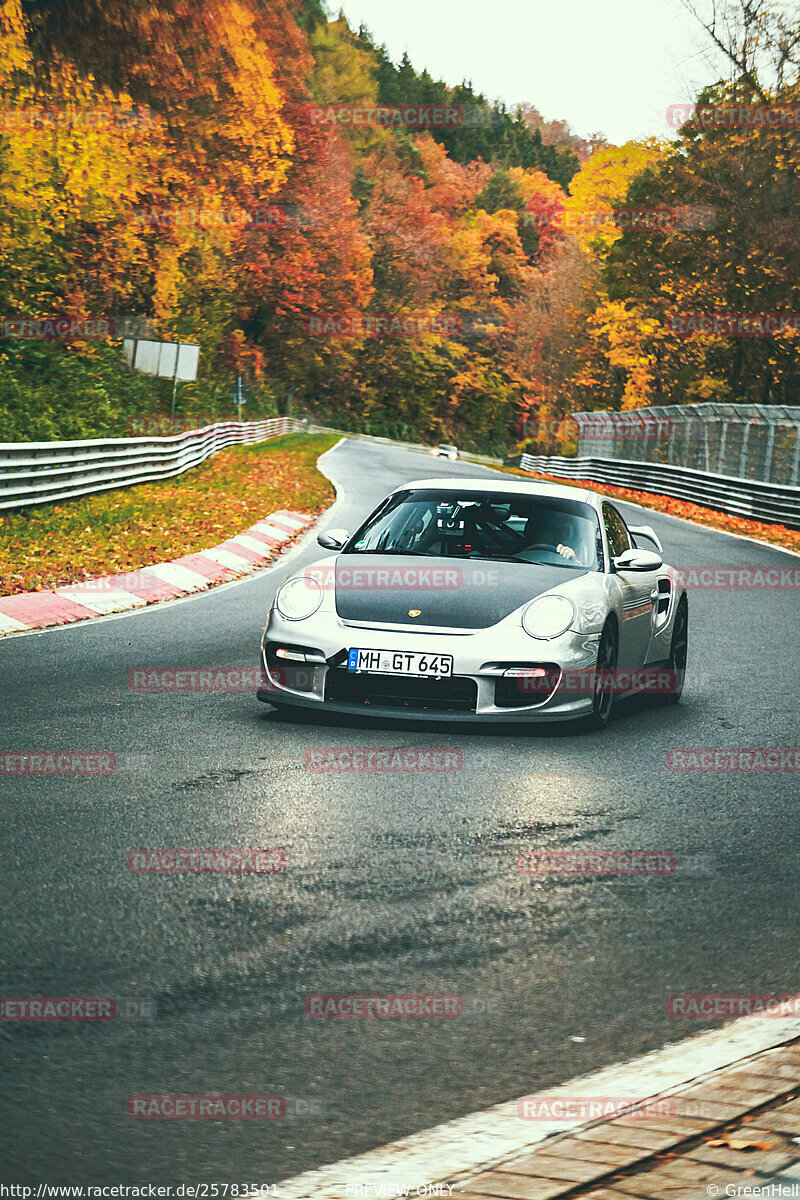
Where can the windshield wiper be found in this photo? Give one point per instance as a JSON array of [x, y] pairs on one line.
[[395, 553], [497, 558], [530, 562]]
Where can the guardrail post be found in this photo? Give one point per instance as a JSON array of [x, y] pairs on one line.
[[767, 476], [796, 463], [743, 456], [723, 440]]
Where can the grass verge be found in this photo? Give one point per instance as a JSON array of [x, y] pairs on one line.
[[50, 545]]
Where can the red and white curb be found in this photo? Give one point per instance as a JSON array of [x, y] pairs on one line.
[[238, 556], [417, 1165]]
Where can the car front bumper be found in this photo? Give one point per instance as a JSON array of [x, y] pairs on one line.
[[480, 660]]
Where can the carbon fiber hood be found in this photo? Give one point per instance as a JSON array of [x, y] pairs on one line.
[[450, 593]]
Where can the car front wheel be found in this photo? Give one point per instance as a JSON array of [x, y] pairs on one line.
[[678, 652], [603, 695]]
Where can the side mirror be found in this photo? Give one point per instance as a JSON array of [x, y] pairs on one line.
[[334, 539], [649, 534], [638, 560]]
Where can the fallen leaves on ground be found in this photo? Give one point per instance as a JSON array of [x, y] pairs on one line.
[[739, 1144]]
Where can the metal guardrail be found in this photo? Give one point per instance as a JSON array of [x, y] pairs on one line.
[[41, 472], [739, 497]]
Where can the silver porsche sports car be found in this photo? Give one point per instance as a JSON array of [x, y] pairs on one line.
[[496, 600]]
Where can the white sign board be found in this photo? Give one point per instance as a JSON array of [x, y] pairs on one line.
[[188, 356], [169, 360]]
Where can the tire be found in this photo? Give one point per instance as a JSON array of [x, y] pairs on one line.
[[678, 651], [603, 697]]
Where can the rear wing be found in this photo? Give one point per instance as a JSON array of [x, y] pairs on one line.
[[642, 534]]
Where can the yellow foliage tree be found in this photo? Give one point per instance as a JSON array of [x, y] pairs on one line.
[[600, 187]]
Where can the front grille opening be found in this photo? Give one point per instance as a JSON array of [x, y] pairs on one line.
[[455, 694], [523, 691]]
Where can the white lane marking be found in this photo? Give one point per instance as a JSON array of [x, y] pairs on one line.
[[479, 1140], [327, 516], [110, 600], [11, 625], [182, 577]]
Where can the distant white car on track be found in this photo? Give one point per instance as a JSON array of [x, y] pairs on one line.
[[489, 600], [443, 450]]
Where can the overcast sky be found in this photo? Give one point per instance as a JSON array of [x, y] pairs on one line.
[[603, 65]]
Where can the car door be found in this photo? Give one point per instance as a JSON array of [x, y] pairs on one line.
[[636, 624]]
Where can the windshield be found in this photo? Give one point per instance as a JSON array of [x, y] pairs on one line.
[[490, 525]]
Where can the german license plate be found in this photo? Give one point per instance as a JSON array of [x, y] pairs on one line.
[[395, 662]]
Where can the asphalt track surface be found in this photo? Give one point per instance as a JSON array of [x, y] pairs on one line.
[[395, 882]]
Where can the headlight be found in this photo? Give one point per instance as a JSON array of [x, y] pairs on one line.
[[548, 617], [299, 598]]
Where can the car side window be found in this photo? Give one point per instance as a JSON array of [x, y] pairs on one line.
[[616, 530]]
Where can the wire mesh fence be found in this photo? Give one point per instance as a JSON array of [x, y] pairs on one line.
[[741, 441]]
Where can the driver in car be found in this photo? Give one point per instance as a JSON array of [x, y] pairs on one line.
[[552, 530]]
